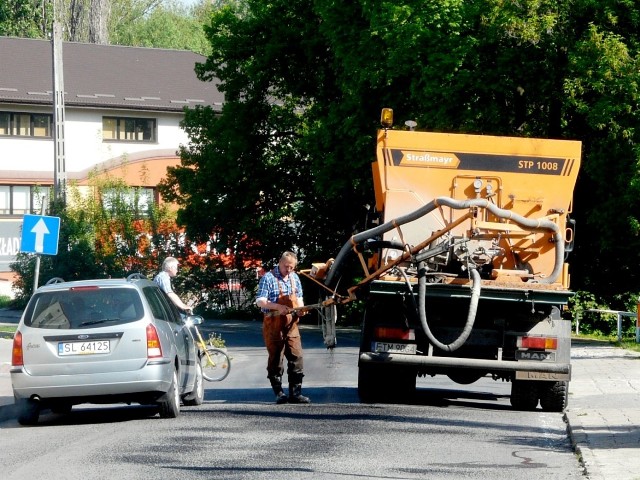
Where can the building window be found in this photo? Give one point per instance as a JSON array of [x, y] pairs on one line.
[[122, 129], [139, 199], [23, 199], [5, 123], [15, 124]]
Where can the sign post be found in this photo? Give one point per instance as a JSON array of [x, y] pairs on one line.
[[638, 324]]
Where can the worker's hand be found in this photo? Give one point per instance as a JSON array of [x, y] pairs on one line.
[[188, 311], [282, 309], [302, 312]]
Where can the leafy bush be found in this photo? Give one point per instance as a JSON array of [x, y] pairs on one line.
[[216, 340], [123, 235], [601, 323], [5, 301], [351, 314]]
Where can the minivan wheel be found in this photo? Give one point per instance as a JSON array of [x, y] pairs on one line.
[[197, 396], [28, 411], [169, 403]]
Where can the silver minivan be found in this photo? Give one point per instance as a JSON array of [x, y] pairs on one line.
[[104, 341]]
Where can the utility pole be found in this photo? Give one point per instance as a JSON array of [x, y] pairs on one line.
[[59, 172]]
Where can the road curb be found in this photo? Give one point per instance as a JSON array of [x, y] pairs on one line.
[[578, 439]]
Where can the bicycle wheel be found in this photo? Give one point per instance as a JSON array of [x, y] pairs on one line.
[[216, 366]]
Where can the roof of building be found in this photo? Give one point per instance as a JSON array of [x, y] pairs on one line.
[[104, 76]]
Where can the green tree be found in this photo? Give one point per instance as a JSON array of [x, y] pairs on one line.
[[256, 181], [23, 18], [76, 259], [144, 23], [114, 231], [304, 83], [99, 239], [603, 90], [286, 161], [160, 25]]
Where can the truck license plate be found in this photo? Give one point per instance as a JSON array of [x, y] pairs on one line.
[[542, 376], [84, 348], [386, 347]]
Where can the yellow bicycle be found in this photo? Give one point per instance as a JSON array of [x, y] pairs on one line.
[[215, 362]]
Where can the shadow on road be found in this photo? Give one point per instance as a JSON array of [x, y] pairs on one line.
[[349, 395]]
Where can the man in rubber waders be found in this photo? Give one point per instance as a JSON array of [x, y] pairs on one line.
[[279, 291]]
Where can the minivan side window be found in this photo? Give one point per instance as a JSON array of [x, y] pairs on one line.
[[171, 307], [170, 312], [155, 302]]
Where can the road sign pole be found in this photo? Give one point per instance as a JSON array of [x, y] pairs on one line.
[[59, 171], [36, 274], [638, 323]]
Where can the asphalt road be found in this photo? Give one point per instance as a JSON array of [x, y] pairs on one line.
[[450, 432]]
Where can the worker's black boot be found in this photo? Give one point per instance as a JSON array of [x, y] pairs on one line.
[[295, 394], [276, 384]]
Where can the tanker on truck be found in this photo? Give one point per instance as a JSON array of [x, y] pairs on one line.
[[464, 272]]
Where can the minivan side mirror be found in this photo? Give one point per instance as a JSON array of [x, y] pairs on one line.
[[190, 320]]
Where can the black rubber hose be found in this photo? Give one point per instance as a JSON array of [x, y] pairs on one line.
[[378, 231], [376, 244], [471, 316]]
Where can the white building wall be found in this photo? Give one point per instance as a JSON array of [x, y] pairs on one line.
[[83, 139], [27, 155], [84, 147]]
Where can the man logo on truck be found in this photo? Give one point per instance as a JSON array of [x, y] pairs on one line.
[[536, 356]]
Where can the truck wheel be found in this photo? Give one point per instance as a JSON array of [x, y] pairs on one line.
[[367, 384], [404, 386], [464, 377], [386, 384], [554, 396], [524, 395]]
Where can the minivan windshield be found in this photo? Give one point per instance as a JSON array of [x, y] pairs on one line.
[[83, 307]]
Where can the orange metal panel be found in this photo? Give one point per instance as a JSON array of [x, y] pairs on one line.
[[534, 178]]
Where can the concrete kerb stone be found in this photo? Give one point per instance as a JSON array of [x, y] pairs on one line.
[[579, 442], [603, 412]]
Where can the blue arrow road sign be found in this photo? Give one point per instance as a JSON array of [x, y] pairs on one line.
[[40, 234]]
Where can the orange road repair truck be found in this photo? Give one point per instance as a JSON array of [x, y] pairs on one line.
[[465, 271]]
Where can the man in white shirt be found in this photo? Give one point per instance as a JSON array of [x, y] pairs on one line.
[[163, 279]]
